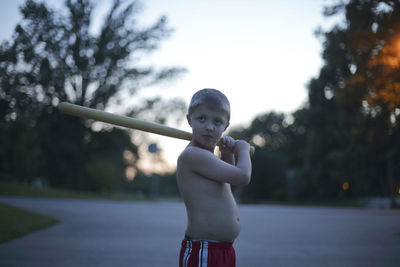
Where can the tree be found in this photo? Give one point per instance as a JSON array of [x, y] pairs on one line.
[[53, 57], [359, 82], [345, 141]]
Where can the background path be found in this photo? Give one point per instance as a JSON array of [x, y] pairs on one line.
[[112, 233]]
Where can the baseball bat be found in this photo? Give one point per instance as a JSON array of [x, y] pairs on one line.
[[124, 121]]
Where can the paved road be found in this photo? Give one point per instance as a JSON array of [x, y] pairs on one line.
[[110, 233]]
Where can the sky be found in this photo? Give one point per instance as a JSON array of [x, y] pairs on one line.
[[260, 53]]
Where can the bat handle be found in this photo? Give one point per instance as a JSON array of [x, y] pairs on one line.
[[252, 149]]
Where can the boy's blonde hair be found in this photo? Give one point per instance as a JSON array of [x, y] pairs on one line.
[[211, 98]]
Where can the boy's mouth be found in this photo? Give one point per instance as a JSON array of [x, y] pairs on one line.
[[208, 136]]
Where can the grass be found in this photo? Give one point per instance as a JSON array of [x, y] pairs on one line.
[[17, 222]]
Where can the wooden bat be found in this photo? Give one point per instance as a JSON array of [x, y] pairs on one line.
[[125, 121]]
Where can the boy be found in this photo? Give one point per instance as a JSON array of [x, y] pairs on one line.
[[204, 181]]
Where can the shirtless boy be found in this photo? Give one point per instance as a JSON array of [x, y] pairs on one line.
[[204, 181]]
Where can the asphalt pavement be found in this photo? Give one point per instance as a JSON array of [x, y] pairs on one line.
[[114, 233]]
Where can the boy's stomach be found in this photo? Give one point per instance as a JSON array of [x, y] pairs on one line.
[[214, 218]]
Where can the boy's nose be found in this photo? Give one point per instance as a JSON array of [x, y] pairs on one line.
[[210, 127]]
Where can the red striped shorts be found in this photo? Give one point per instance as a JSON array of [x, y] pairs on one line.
[[205, 253]]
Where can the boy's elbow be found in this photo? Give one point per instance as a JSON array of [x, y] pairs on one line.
[[244, 174], [243, 180], [246, 180]]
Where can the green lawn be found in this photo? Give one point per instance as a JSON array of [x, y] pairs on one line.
[[17, 222]]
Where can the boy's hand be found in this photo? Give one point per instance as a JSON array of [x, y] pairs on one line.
[[231, 149], [227, 144]]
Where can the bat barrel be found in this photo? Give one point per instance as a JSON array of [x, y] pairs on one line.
[[124, 121]]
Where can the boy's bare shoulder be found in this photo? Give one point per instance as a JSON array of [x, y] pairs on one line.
[[195, 154]]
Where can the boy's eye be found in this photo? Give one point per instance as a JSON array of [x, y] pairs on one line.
[[201, 118], [218, 122]]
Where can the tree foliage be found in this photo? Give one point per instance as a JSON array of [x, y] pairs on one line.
[[346, 140], [361, 74], [53, 56]]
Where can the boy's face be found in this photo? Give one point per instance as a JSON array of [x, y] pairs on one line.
[[207, 124]]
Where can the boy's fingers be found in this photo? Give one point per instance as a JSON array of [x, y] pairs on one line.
[[223, 142], [226, 143]]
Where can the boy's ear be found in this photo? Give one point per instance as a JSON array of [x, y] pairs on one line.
[[188, 119]]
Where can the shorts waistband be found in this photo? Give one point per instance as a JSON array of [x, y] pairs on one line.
[[188, 241]]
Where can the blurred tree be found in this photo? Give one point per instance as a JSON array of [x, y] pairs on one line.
[[53, 57], [269, 133], [319, 175], [16, 139], [346, 140], [269, 180], [359, 85]]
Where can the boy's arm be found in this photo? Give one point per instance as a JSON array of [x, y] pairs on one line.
[[242, 152], [206, 164]]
